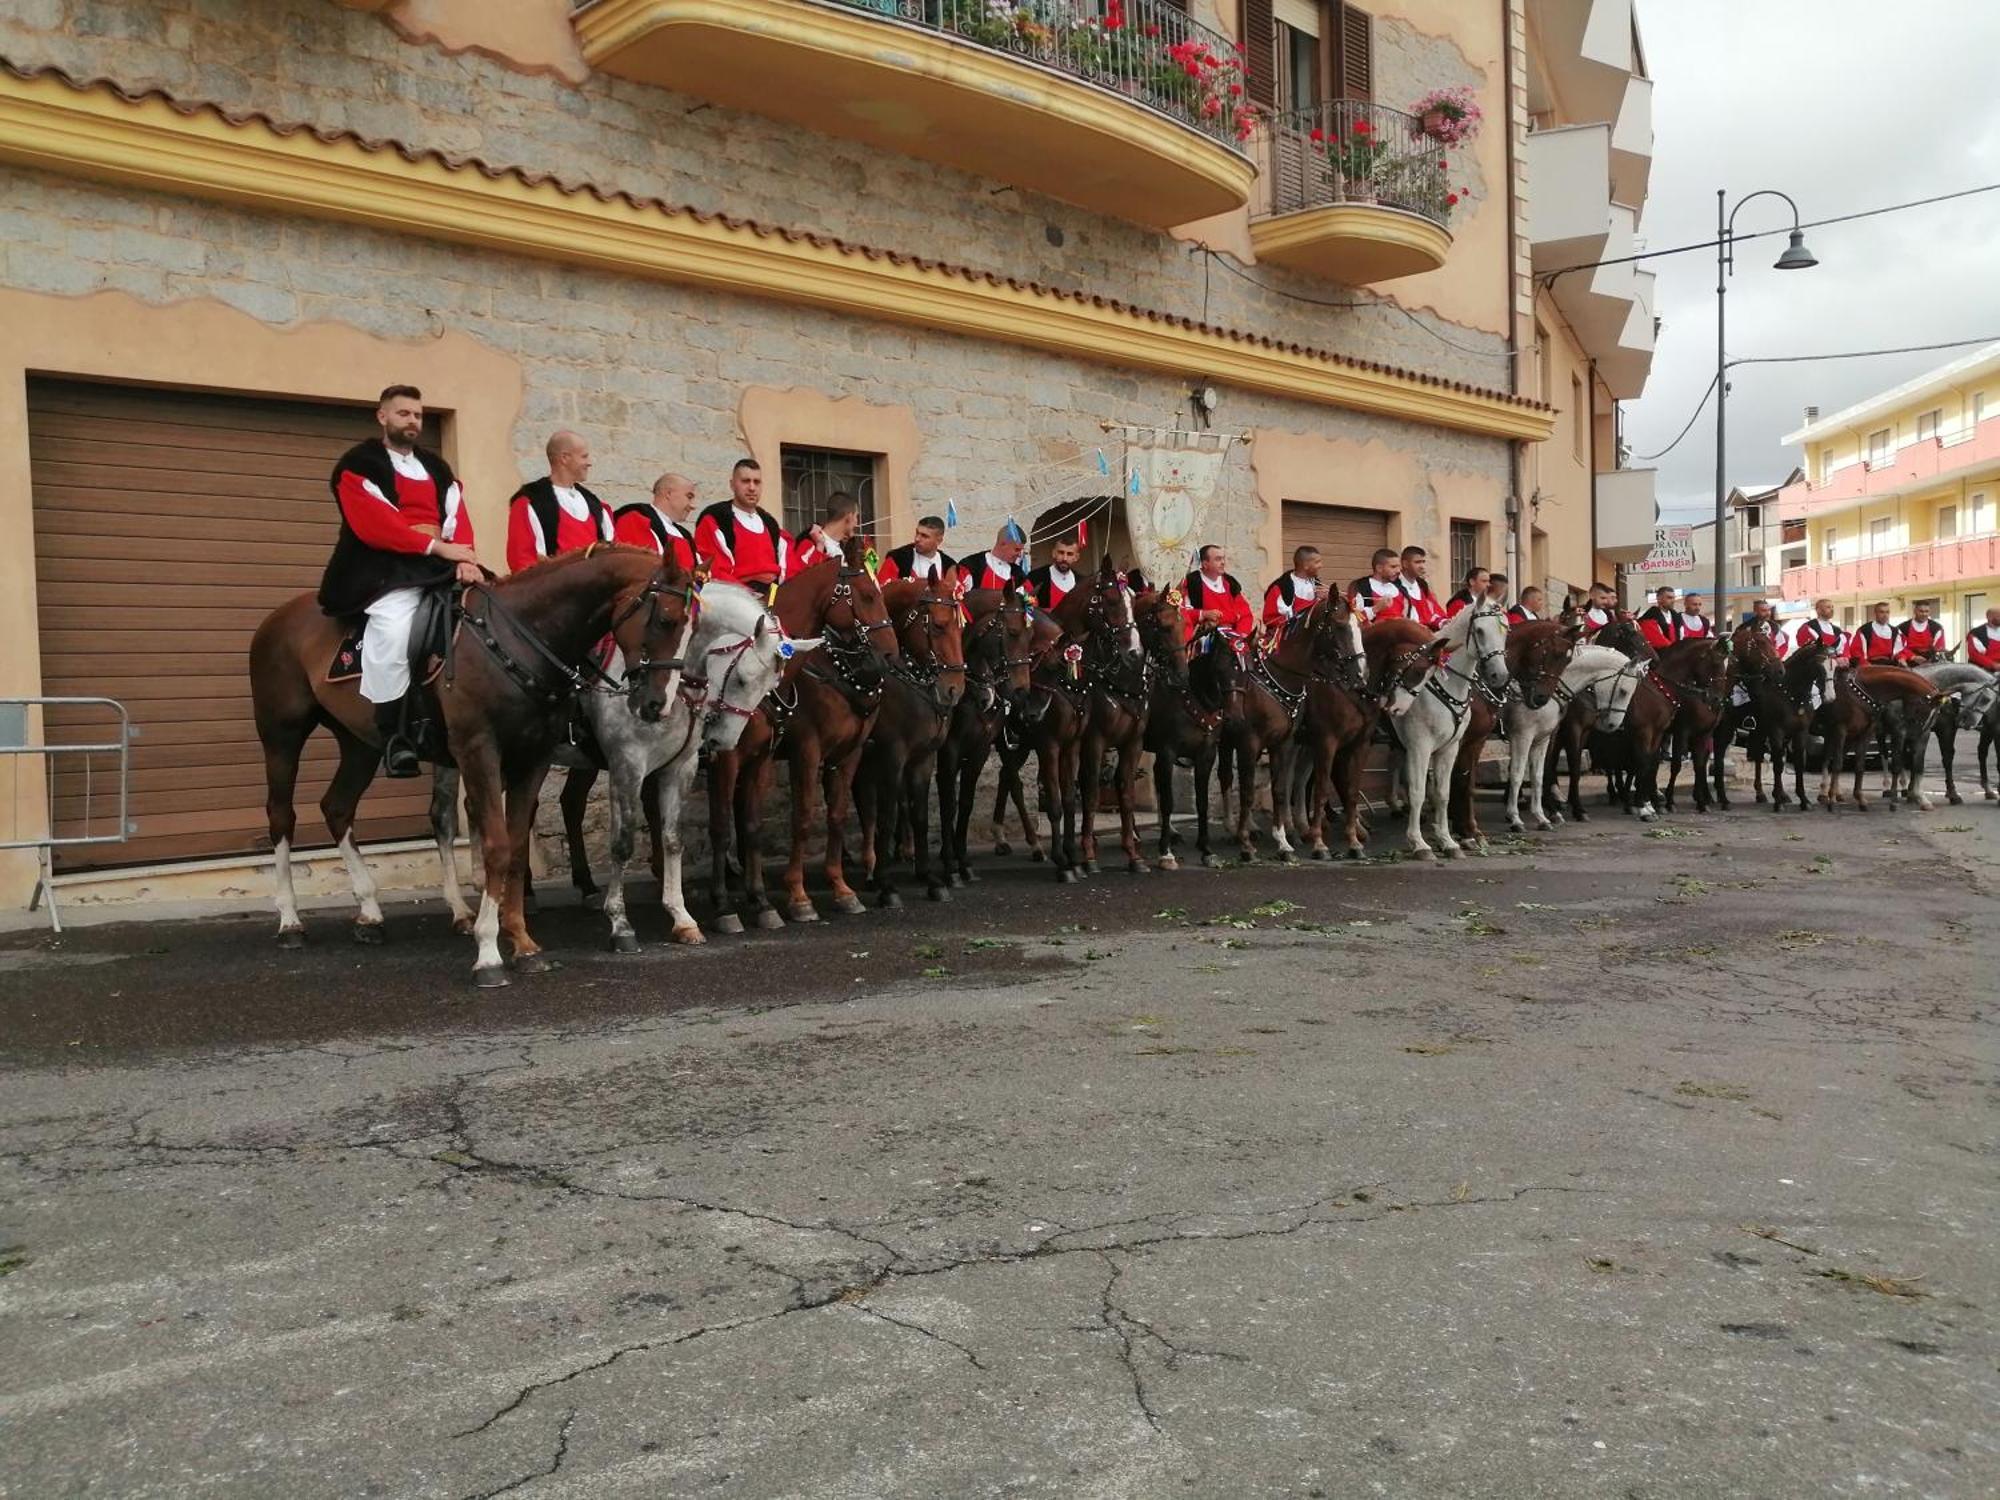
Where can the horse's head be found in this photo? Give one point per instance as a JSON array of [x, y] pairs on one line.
[[1109, 619], [1538, 653], [1625, 636], [743, 668], [1336, 640], [1401, 657], [1481, 629], [1162, 628], [649, 623], [930, 633], [853, 621]]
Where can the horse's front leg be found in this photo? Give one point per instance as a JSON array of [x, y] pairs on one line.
[[628, 773], [1416, 761], [805, 775], [1438, 797], [1538, 754], [946, 775], [1072, 780], [1163, 801], [723, 767], [1700, 748], [1128, 800], [1204, 771], [444, 831], [1091, 773], [1048, 770], [1279, 766], [669, 785], [751, 793], [575, 800], [522, 797], [486, 815], [1947, 744], [839, 802], [1248, 752]]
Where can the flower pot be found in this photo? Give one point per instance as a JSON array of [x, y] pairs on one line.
[[1434, 124]]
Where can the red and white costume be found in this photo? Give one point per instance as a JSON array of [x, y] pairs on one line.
[[1375, 598], [1224, 595], [1922, 639], [907, 562], [1049, 585], [1982, 647], [1663, 627], [1457, 605], [1289, 595], [1696, 627], [1421, 604], [808, 551], [739, 546], [1874, 645], [1817, 632], [1520, 614], [644, 525], [982, 570], [1595, 618], [545, 519]]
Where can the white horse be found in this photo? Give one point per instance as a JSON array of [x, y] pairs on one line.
[[1429, 719], [1596, 674], [1973, 693], [736, 649]]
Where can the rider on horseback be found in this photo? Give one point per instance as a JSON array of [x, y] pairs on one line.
[[1476, 589], [556, 514], [1877, 643], [1378, 596], [403, 528], [740, 540], [663, 524], [1529, 609], [1923, 637], [999, 566], [1420, 603], [1602, 611], [1053, 582], [1982, 643], [1663, 624], [1214, 597], [1292, 594], [924, 558]]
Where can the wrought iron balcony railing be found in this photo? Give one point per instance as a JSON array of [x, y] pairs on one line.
[[1350, 151]]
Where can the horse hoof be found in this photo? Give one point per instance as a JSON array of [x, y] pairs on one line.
[[688, 936], [1001, 849], [1037, 855], [292, 938], [938, 893], [1068, 877], [1286, 857], [493, 977], [1989, 796], [1761, 799], [1169, 863], [1137, 867], [624, 942], [1354, 851], [1322, 855], [768, 920], [1952, 797], [1210, 862], [729, 924], [1424, 854], [852, 905], [804, 911], [592, 899], [888, 901], [535, 963], [462, 926], [369, 934], [1090, 867]]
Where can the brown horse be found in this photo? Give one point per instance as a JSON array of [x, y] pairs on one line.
[[818, 718], [1684, 685], [999, 650], [1018, 741], [918, 704], [1538, 652], [1342, 713], [1196, 685], [1781, 704], [1274, 701], [1883, 700], [503, 699], [1121, 691]]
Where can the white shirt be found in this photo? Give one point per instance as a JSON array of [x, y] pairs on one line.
[[1000, 565], [410, 467], [1304, 590], [406, 464], [1214, 585], [749, 520], [573, 504], [1062, 578], [926, 567]]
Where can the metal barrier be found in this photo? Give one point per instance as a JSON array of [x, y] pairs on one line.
[[24, 733]]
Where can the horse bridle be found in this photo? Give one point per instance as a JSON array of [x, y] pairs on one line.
[[1098, 625], [977, 648], [844, 654], [587, 675], [924, 676]]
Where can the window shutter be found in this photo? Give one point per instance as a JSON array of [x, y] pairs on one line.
[[1260, 52], [1354, 73]]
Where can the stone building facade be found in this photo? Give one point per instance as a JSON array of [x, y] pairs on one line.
[[302, 201]]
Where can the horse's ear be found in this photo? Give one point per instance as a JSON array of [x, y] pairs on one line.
[[802, 645], [1135, 580], [854, 551], [1573, 629], [1435, 648]]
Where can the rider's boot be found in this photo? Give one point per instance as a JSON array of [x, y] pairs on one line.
[[399, 756]]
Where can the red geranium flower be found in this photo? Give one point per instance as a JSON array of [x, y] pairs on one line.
[[1361, 127], [1318, 134], [1451, 200], [1235, 88]]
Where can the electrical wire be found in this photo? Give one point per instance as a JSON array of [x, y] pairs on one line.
[[1801, 359], [1700, 407]]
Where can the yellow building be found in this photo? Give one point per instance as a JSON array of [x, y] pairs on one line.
[[1006, 254], [1899, 496]]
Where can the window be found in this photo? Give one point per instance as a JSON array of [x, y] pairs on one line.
[[1579, 417], [1545, 365], [1756, 576], [1972, 611], [1467, 551], [1947, 522], [1881, 443], [1927, 426], [1978, 407], [1832, 550], [1753, 517], [813, 475], [1878, 534], [1982, 515], [1298, 62], [1823, 462], [1847, 616]]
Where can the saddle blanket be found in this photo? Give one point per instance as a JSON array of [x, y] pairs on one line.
[[346, 663]]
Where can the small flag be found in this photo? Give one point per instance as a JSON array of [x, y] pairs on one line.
[[1012, 531], [870, 561], [1103, 463], [1133, 484], [1083, 534], [950, 513]]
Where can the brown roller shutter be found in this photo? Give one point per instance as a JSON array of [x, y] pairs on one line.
[[167, 525], [1354, 49], [1347, 537], [1260, 52]]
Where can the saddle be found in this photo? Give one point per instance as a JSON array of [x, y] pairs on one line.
[[430, 631]]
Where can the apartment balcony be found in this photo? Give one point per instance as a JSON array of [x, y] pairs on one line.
[[1351, 191], [1586, 46], [1632, 143], [1913, 568], [1568, 197], [1912, 468], [1126, 123], [1626, 365], [1626, 514]]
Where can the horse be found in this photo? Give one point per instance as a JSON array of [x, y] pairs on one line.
[[999, 645], [516, 657], [1121, 691], [1780, 708], [1883, 699], [1686, 683], [1274, 702], [1430, 722], [1017, 742], [1972, 697], [918, 703], [1341, 715], [1598, 678], [1195, 683], [1538, 653], [818, 717], [1578, 726]]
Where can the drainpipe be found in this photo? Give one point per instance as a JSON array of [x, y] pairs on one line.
[[1517, 456], [1591, 376]]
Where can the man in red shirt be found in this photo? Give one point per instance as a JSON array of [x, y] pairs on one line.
[[1662, 623], [403, 528], [827, 540], [740, 540], [1053, 582], [1982, 642], [1420, 602], [1695, 624], [1822, 630], [923, 558], [662, 523], [1214, 597], [556, 514], [1377, 596], [1529, 609], [1601, 611], [1472, 591], [1876, 642], [1496, 590], [1923, 637], [999, 566], [1292, 594]]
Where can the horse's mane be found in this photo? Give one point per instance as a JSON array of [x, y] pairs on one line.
[[1686, 652], [1802, 666], [735, 607], [1896, 679], [1384, 637], [905, 591], [543, 567]]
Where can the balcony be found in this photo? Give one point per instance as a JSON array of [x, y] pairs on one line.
[[1912, 568], [1910, 469], [1351, 191], [1625, 366], [1626, 514], [1128, 122], [1587, 48], [1632, 143]]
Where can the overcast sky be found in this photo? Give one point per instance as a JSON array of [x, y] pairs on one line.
[[1844, 104]]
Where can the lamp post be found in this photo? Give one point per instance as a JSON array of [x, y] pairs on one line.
[[1795, 258]]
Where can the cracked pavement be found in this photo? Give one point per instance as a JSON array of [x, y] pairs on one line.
[[1612, 1164]]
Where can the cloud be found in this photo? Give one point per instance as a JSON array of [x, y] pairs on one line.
[[1844, 105]]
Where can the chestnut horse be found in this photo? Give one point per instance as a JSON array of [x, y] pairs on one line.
[[1688, 678], [1780, 706], [1885, 700], [818, 717], [1341, 716], [1538, 653], [1196, 684], [999, 649], [918, 704], [1580, 718], [1121, 691], [516, 660], [1274, 702]]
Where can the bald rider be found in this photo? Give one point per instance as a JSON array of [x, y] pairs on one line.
[[999, 566], [661, 523], [556, 514]]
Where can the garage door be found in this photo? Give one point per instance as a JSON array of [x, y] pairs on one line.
[[167, 525], [1347, 537]]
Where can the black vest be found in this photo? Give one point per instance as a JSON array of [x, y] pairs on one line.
[[905, 559], [1196, 590], [358, 574], [723, 513], [1039, 583], [662, 538], [541, 497]]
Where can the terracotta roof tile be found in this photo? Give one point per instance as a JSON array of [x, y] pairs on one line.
[[456, 162]]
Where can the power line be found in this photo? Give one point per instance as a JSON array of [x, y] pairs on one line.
[[1700, 406]]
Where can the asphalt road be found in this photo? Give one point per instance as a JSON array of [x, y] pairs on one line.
[[1623, 1162]]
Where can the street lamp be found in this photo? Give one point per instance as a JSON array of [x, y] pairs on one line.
[[1796, 258]]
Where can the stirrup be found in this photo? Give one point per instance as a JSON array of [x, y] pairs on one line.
[[399, 756]]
